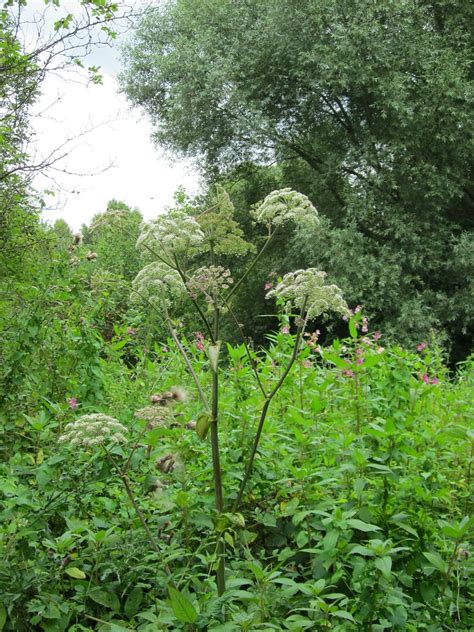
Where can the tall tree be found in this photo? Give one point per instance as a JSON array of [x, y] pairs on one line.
[[366, 106]]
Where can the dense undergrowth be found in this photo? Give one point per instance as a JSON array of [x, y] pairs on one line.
[[355, 517]]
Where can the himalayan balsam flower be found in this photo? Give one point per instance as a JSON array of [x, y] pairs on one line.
[[421, 347], [92, 430], [72, 403], [306, 288], [285, 205], [376, 335], [199, 338]]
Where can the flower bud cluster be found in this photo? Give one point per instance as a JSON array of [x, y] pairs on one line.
[[286, 205], [306, 288], [211, 282], [94, 429], [173, 232], [158, 283]]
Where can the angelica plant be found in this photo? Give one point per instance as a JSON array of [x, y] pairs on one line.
[[174, 240]]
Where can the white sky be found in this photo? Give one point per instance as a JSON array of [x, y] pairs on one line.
[[141, 176]]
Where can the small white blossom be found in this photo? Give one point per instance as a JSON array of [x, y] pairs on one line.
[[94, 429], [286, 205], [158, 283], [211, 282], [172, 233], [306, 287]]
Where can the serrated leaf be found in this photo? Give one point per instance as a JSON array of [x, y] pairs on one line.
[[384, 564], [182, 608], [133, 602], [437, 561], [75, 572]]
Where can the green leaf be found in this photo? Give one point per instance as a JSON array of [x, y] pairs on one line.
[[202, 425], [72, 571], [105, 598], [437, 561], [361, 526], [352, 328], [384, 564], [133, 602], [183, 609], [3, 616]]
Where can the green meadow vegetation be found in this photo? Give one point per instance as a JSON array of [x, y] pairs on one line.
[[254, 411]]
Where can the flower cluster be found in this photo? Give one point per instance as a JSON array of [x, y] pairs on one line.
[[286, 205], [174, 232], [211, 282], [94, 429], [157, 283], [306, 288], [156, 416]]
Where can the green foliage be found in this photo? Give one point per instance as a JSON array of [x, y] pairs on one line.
[[366, 109]]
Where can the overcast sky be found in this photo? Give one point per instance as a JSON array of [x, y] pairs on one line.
[[141, 175]]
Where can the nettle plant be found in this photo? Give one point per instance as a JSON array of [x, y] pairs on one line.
[[174, 242]]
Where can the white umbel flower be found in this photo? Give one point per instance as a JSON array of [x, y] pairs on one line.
[[286, 205], [158, 283], [94, 429], [212, 282], [172, 233], [307, 288]]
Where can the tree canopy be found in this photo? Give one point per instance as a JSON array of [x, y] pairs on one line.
[[366, 106]]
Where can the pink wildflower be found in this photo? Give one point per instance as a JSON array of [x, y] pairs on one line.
[[421, 346], [365, 325], [357, 309], [425, 378], [348, 373], [434, 380], [377, 335], [359, 351], [268, 286], [285, 330], [72, 402], [199, 337], [360, 361]]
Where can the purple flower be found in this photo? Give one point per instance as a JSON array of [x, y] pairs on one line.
[[421, 346], [434, 380], [360, 361], [72, 402]]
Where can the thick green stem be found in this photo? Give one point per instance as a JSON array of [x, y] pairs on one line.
[[216, 466]]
